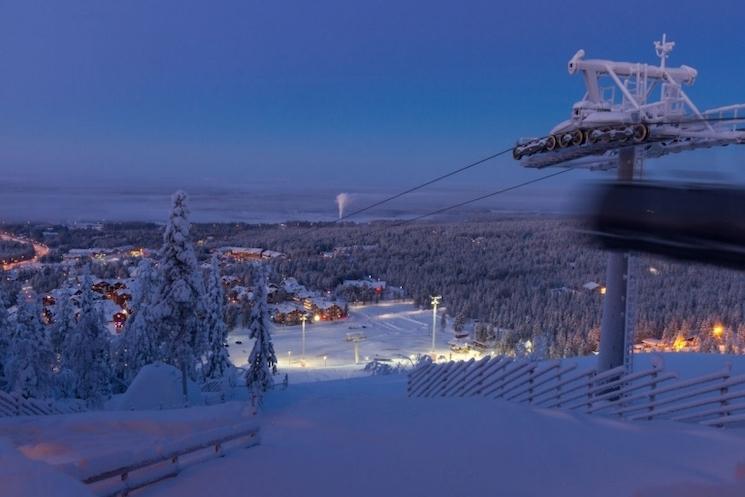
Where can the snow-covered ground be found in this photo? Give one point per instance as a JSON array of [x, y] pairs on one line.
[[364, 437], [80, 439], [361, 435], [394, 331]]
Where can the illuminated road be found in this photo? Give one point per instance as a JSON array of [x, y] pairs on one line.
[[40, 250]]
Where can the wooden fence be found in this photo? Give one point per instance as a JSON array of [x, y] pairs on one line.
[[16, 405], [119, 474], [716, 399]]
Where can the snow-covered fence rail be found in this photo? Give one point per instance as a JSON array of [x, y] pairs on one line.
[[716, 399], [120, 473], [16, 405]]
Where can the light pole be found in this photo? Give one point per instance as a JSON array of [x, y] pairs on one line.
[[435, 300], [303, 319]]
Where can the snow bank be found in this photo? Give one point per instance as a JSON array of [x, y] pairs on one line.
[[124, 457], [364, 437], [80, 439], [157, 386], [21, 477]]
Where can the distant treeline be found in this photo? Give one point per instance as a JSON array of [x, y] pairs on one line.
[[11, 250]]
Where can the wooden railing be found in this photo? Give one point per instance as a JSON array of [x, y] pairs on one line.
[[716, 399], [118, 474], [16, 405]]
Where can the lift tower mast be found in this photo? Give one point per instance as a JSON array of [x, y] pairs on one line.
[[642, 112]]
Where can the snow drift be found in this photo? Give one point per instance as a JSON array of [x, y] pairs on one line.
[[22, 477], [157, 386]]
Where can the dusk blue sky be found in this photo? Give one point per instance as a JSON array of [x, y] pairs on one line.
[[339, 94]]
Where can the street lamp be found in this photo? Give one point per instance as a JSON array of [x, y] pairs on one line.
[[303, 318], [718, 331], [435, 300]]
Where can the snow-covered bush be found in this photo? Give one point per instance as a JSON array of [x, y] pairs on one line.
[[381, 367], [157, 386]]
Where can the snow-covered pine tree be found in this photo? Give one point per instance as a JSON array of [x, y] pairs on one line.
[[60, 331], [262, 360], [29, 360], [137, 346], [217, 360], [86, 351], [178, 305], [64, 322]]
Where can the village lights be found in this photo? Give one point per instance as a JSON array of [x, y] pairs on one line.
[[717, 331], [317, 318], [435, 301]]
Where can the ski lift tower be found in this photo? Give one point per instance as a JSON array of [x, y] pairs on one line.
[[642, 112]]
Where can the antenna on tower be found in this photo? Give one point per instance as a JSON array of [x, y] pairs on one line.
[[663, 49]]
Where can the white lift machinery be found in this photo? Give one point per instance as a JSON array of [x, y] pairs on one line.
[[642, 106], [642, 112]]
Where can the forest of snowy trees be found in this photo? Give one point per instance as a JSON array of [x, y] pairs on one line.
[[11, 250], [177, 317], [522, 275]]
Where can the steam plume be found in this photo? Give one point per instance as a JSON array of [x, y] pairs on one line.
[[341, 202]]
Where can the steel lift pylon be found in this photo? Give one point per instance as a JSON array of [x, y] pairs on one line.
[[630, 112]]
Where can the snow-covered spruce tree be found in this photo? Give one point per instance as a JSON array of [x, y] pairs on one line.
[[178, 304], [217, 360], [64, 322], [137, 346], [60, 331], [29, 359], [86, 351], [262, 362]]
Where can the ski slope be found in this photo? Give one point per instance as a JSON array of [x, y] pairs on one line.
[[364, 437], [394, 331]]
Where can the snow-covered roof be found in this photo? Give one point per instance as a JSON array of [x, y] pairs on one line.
[[364, 283], [271, 254], [591, 285], [322, 303], [287, 307], [292, 286], [76, 252], [304, 293], [241, 250]]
